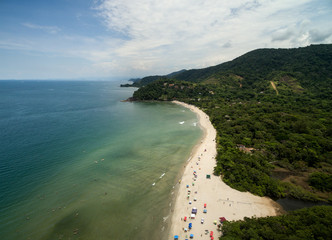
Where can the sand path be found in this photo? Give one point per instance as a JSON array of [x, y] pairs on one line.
[[221, 200]]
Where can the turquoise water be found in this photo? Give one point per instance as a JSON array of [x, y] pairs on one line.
[[77, 163]]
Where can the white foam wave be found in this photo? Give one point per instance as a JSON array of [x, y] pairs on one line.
[[165, 218]]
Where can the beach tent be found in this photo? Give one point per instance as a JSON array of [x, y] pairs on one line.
[[211, 234], [185, 218], [192, 216], [204, 205], [212, 238], [176, 237], [208, 176], [191, 235], [194, 210]]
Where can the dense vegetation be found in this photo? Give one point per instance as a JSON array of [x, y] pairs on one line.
[[272, 112], [313, 223]]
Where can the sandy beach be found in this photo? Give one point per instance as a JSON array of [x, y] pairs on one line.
[[220, 199]]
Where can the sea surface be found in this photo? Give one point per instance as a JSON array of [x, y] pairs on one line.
[[77, 163]]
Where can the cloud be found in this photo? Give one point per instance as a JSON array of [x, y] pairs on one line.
[[48, 29], [136, 38], [168, 35], [227, 45], [316, 36]]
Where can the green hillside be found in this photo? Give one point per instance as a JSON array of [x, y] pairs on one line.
[[272, 112]]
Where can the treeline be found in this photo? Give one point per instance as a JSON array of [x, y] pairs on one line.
[[257, 132], [312, 223]]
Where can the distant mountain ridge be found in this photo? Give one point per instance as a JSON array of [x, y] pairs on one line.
[[310, 65], [139, 82]]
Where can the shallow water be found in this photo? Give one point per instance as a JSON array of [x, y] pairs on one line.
[[77, 163], [289, 204]]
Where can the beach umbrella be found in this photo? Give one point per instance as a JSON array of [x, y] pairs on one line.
[[204, 205], [191, 235], [187, 186], [190, 225], [176, 237], [222, 219], [211, 234]]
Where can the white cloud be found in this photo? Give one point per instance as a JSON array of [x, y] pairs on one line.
[[167, 35], [146, 37], [48, 29]]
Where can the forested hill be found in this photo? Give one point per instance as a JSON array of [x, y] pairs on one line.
[[272, 112], [310, 65]]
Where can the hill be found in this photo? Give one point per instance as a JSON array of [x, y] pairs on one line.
[[139, 82], [272, 112]]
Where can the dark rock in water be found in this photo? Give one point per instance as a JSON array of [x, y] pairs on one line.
[[131, 99]]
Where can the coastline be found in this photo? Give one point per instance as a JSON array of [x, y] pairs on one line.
[[220, 199]]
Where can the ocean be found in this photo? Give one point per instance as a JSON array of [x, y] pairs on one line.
[[77, 163]]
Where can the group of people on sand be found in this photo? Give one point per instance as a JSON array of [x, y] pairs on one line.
[[192, 195]]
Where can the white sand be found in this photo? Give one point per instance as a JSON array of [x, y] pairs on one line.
[[221, 200]]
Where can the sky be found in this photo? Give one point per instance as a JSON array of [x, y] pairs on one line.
[[121, 39]]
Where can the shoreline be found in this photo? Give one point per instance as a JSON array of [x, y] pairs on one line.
[[220, 199]]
